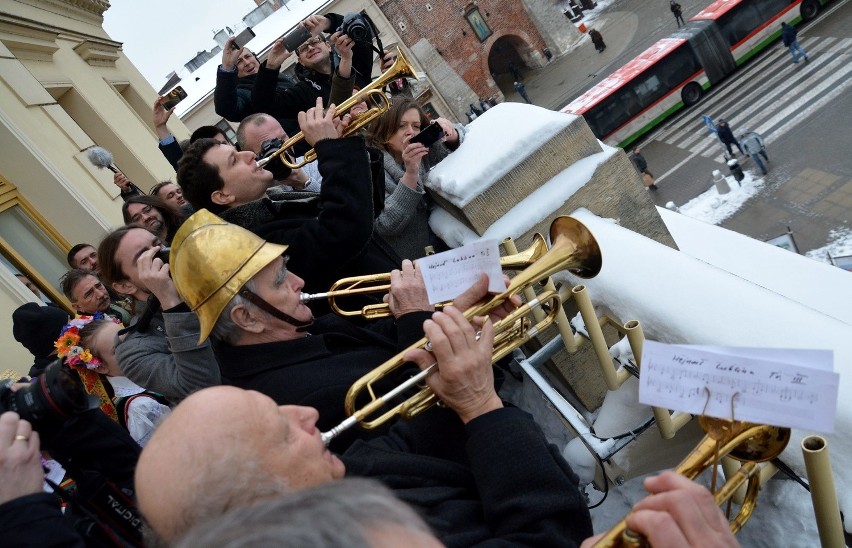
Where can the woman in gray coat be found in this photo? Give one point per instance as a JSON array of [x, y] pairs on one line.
[[404, 221]]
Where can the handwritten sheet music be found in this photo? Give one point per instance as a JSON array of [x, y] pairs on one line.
[[449, 274], [793, 388]]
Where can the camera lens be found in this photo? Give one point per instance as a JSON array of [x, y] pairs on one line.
[[276, 166], [356, 27], [55, 396]]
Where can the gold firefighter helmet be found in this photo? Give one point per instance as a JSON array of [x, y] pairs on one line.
[[211, 260]]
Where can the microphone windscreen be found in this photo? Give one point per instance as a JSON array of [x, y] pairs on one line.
[[100, 157]]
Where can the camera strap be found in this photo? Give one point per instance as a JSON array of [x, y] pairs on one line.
[[116, 519]]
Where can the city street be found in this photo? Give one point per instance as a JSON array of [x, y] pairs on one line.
[[801, 110]]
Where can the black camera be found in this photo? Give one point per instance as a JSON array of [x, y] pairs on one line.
[[54, 396], [276, 166], [163, 253], [357, 27]]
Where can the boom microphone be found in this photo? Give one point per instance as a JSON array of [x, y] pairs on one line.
[[102, 158]]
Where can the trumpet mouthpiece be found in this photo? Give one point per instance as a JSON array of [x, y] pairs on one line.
[[308, 297], [262, 162]]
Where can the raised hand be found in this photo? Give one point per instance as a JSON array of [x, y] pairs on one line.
[[317, 124]]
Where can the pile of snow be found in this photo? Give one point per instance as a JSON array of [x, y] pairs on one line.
[[509, 132]]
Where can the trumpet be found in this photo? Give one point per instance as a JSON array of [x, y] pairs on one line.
[[746, 442], [380, 283], [574, 248], [400, 69]]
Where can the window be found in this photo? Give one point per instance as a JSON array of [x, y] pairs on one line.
[[642, 91], [745, 18], [30, 246], [226, 126]]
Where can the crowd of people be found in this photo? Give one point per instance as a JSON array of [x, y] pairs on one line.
[[192, 336]]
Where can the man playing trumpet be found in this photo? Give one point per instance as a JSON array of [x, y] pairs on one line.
[[476, 470], [265, 339]]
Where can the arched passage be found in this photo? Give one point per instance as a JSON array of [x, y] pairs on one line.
[[507, 61]]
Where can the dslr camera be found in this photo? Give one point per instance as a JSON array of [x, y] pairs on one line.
[[55, 396], [357, 26], [276, 166]]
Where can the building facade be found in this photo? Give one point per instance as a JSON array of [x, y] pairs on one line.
[[65, 86], [474, 49]]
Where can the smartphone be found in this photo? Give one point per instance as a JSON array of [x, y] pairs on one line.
[[296, 38], [174, 97], [429, 136], [242, 38]]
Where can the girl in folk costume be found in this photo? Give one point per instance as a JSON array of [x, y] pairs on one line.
[[87, 344]]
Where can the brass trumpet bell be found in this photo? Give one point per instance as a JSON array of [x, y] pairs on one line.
[[746, 442]]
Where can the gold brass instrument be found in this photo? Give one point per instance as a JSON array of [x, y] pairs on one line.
[[746, 442], [380, 283], [573, 248], [400, 69]]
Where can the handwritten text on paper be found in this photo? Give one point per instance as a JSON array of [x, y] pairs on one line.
[[449, 274], [764, 389]]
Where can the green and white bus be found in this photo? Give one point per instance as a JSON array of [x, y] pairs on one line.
[[676, 71]]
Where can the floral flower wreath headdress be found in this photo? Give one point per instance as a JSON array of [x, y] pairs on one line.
[[68, 347]]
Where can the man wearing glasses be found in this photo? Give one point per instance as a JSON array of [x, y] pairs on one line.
[[351, 63], [235, 80]]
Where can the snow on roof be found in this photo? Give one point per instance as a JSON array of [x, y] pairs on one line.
[[509, 132], [199, 84], [535, 207], [812, 284]]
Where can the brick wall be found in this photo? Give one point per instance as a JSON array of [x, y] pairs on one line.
[[443, 25]]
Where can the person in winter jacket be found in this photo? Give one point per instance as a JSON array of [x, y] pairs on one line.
[[788, 38]]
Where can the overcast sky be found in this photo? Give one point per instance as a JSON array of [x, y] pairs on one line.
[[159, 36]]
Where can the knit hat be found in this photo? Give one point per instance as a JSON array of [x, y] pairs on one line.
[[37, 327]]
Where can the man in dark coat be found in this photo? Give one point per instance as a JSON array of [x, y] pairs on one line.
[[677, 11], [235, 80], [314, 72], [597, 40], [330, 234], [726, 135]]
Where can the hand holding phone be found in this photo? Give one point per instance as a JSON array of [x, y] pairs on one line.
[[296, 38], [429, 136], [174, 97], [242, 38]]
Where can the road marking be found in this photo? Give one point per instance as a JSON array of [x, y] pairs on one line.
[[831, 69]]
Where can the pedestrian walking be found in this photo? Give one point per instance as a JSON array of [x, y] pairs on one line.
[[642, 166], [788, 38], [597, 40], [475, 110], [522, 91], [726, 135], [752, 143], [677, 10]]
